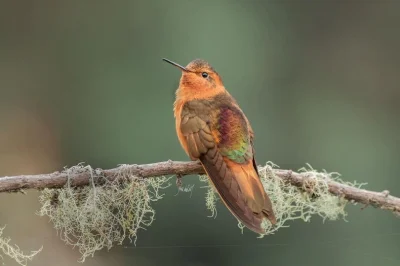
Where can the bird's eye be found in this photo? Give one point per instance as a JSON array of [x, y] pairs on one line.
[[204, 74]]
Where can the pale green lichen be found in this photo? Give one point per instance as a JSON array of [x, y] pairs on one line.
[[292, 203], [105, 213], [211, 196], [13, 251], [101, 215]]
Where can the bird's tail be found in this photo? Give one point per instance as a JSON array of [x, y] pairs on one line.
[[251, 186], [240, 188]]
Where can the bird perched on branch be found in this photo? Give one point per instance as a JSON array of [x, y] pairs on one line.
[[212, 128]]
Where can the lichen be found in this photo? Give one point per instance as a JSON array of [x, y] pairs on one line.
[[292, 203], [102, 214], [108, 211], [13, 251], [211, 196]]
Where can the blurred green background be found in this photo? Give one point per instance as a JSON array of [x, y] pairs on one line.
[[83, 81]]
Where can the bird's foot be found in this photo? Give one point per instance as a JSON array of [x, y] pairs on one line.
[[179, 181], [179, 185]]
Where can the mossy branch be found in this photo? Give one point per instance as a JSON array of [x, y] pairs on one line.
[[301, 180], [92, 209]]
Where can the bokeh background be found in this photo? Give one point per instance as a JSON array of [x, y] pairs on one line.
[[83, 81]]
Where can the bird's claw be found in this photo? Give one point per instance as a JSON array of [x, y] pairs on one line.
[[179, 181]]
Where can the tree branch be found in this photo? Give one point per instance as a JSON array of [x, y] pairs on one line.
[[380, 200]]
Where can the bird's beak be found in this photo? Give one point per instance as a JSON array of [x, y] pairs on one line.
[[175, 64]]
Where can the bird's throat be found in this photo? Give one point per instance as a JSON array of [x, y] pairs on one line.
[[190, 93]]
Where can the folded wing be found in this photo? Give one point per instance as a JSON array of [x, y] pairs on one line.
[[222, 142]]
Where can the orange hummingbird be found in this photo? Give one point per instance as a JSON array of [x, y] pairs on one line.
[[212, 128]]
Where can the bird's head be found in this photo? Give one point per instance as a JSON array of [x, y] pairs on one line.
[[199, 80]]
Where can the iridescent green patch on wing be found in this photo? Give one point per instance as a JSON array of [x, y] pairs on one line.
[[234, 135]]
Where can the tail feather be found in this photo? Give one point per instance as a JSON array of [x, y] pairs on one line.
[[240, 188]]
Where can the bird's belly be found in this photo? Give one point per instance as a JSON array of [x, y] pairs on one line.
[[178, 119], [181, 137]]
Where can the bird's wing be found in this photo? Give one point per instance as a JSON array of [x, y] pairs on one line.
[[221, 140]]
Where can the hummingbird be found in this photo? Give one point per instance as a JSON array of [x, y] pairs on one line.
[[213, 129]]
